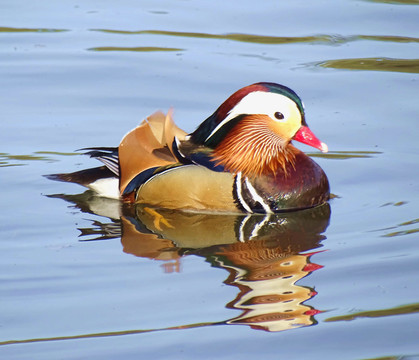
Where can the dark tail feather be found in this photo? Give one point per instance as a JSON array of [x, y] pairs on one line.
[[83, 177], [107, 149], [108, 155]]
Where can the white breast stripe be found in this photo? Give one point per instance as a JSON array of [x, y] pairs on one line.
[[257, 197], [181, 154], [239, 193], [259, 226], [242, 237], [177, 142]]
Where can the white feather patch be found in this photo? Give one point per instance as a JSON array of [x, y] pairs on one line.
[[257, 197], [108, 187]]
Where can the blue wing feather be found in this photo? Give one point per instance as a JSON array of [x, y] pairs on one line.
[[140, 179], [197, 157], [203, 159]]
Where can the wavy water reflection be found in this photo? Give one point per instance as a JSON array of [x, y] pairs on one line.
[[343, 155], [374, 64], [398, 2], [264, 255], [333, 39], [247, 38], [399, 310], [403, 230], [136, 48], [26, 30], [7, 159]]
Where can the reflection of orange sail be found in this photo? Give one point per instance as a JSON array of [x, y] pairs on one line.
[[146, 245]]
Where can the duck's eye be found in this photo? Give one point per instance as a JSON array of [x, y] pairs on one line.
[[279, 115]]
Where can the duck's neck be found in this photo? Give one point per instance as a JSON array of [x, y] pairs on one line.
[[253, 149]]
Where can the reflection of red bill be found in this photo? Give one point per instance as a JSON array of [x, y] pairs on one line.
[[313, 312], [306, 136]]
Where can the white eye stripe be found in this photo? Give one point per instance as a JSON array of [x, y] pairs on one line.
[[260, 103]]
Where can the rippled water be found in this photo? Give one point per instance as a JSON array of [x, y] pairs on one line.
[[83, 277]]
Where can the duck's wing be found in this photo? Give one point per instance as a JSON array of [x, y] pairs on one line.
[[180, 186], [147, 146]]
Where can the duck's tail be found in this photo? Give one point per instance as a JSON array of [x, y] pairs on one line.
[[147, 146]]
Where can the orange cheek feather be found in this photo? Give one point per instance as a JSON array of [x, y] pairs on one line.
[[254, 148]]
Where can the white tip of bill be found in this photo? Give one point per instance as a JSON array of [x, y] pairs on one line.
[[324, 147]]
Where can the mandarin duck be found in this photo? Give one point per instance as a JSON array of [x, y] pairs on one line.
[[240, 159]]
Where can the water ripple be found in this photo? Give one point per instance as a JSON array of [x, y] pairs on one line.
[[373, 64], [137, 48], [334, 39], [7, 159], [396, 2], [400, 310], [343, 155], [25, 30]]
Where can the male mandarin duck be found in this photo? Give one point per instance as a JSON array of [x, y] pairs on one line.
[[240, 159]]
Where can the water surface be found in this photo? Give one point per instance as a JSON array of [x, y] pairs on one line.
[[87, 278]]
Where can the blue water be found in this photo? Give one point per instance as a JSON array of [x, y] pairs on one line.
[[342, 285]]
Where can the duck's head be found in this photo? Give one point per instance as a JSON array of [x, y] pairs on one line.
[[255, 126]]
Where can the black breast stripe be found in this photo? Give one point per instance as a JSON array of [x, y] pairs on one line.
[[247, 198], [238, 194]]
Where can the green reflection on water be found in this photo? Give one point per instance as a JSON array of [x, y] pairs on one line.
[[249, 38], [385, 358], [400, 233], [398, 2], [374, 64], [399, 310], [403, 232], [401, 225], [57, 153], [415, 221], [398, 203], [401, 39], [139, 48], [266, 39], [19, 30], [105, 334], [7, 160], [342, 155]]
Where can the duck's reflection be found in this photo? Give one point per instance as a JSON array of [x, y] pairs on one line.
[[269, 297], [265, 255]]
